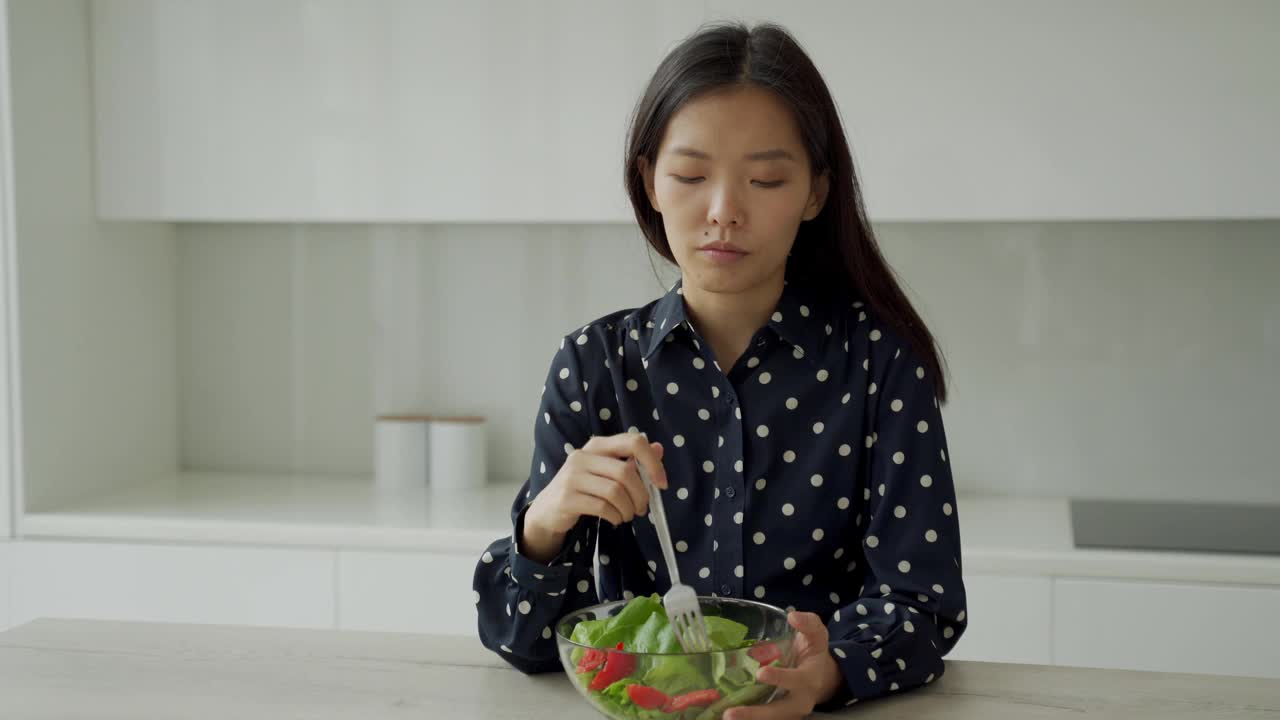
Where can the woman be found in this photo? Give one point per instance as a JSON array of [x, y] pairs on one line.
[[784, 394]]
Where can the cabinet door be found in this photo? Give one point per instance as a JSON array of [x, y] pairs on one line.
[[5, 572], [406, 592], [1167, 627], [397, 110], [1009, 620], [1004, 109], [194, 584]]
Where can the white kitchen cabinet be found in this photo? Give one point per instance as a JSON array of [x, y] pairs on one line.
[[512, 111], [1009, 620], [1167, 627], [406, 592], [163, 583], [6, 552], [388, 111]]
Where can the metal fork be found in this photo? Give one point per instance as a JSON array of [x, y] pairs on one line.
[[681, 602]]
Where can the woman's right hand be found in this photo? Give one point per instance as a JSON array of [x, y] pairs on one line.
[[597, 480]]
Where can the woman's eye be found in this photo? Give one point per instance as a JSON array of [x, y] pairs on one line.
[[767, 184], [688, 180]]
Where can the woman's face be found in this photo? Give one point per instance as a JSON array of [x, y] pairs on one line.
[[733, 182]]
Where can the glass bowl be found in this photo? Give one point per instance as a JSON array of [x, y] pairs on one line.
[[627, 685]]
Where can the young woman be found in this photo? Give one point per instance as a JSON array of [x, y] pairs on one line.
[[784, 394]]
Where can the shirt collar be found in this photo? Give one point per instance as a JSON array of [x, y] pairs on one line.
[[801, 319]]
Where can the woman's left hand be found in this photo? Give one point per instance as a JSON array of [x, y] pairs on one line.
[[813, 680]]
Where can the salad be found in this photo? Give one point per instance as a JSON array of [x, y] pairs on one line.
[[674, 686]]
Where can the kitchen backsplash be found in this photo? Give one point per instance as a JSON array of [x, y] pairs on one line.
[[1089, 359]]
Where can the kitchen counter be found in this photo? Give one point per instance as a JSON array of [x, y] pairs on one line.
[[1000, 535], [71, 669]]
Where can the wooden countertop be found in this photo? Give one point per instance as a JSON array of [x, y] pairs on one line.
[[68, 669]]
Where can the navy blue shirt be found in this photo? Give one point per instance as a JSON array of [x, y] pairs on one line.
[[813, 475]]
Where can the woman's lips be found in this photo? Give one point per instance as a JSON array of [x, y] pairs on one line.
[[722, 257]]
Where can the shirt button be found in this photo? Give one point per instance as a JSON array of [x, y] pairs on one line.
[[726, 590], [730, 492]]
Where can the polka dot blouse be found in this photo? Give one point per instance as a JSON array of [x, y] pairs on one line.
[[813, 476]]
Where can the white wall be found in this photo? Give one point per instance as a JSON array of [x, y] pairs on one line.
[[1106, 359], [96, 300]]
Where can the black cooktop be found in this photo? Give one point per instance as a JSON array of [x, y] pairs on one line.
[[1187, 527]]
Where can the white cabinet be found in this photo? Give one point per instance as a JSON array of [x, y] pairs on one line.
[[406, 592], [512, 111], [387, 111], [6, 552], [1009, 619], [197, 584], [1167, 627]]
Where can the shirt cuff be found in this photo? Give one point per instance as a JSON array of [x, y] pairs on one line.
[[551, 578]]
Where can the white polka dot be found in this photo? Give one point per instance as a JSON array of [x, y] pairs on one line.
[[789, 456], [683, 493], [765, 377], [737, 571], [758, 538], [699, 363], [834, 598], [896, 406], [788, 509], [889, 608], [960, 616], [920, 372], [632, 385], [823, 375], [922, 427], [845, 400], [763, 431], [777, 317], [862, 609], [925, 481], [871, 673], [564, 373], [605, 413], [900, 512], [946, 509], [843, 503], [703, 414], [875, 335], [839, 553], [759, 591], [938, 589], [873, 541], [653, 565], [719, 441], [524, 607], [866, 364], [904, 567], [737, 517], [804, 311], [818, 428], [816, 481], [753, 362], [931, 536], [818, 534], [899, 458], [845, 450], [881, 489], [885, 590], [871, 390], [789, 563], [542, 467], [760, 484], [798, 353], [737, 412], [486, 558], [737, 466], [708, 466], [707, 519], [944, 455], [504, 648], [682, 546], [838, 652], [704, 573], [792, 403], [807, 579], [672, 388], [893, 687], [715, 392], [870, 442], [948, 632], [604, 559]]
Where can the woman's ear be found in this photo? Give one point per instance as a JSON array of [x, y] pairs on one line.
[[646, 173], [817, 196]]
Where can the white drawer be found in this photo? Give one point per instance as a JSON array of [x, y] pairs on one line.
[[406, 592], [1169, 627], [188, 583], [1009, 620]]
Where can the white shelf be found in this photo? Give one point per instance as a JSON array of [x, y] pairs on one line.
[[291, 510]]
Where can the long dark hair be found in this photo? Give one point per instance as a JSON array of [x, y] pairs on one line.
[[836, 252]]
